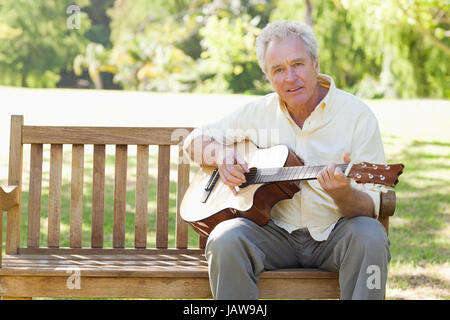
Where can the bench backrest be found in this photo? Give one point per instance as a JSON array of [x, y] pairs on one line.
[[76, 139]]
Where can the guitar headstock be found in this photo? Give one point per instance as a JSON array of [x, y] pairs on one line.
[[386, 174]]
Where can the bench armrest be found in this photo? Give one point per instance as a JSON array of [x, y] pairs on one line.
[[9, 197], [387, 204]]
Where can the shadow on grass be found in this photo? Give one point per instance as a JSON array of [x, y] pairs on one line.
[[419, 228]]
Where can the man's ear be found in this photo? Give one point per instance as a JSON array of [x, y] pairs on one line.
[[317, 66]]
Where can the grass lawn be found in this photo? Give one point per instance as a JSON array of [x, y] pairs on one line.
[[415, 132]]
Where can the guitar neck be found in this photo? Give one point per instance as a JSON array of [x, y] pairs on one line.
[[267, 175]]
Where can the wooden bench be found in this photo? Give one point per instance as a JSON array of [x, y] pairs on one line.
[[79, 270]]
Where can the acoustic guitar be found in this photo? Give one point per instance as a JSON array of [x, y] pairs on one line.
[[274, 175]]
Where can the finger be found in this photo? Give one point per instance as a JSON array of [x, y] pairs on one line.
[[330, 170], [229, 181], [233, 189], [325, 178], [231, 175], [341, 179], [321, 180], [324, 174], [347, 158], [339, 174], [241, 161], [235, 173]]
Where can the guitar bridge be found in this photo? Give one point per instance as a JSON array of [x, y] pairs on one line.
[[210, 185]]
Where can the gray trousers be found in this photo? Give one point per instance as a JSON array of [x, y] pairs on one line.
[[238, 250]]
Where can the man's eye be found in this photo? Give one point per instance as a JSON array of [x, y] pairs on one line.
[[298, 64], [278, 70]]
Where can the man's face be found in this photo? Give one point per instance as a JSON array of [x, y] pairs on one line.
[[291, 71]]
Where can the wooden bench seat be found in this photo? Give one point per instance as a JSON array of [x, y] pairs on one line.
[[49, 269], [144, 275]]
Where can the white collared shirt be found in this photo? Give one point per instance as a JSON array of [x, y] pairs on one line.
[[340, 123]]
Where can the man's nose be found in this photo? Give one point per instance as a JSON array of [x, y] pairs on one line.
[[291, 75]]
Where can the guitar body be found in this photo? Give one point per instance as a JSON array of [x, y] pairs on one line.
[[253, 202]]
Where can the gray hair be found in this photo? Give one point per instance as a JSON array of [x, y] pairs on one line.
[[280, 30]]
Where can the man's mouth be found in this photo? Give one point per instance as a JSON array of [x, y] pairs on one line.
[[296, 89]]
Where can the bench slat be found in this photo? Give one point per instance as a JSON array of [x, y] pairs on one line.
[[98, 196], [76, 196], [34, 202], [106, 251], [14, 179], [141, 196], [172, 265], [162, 209], [88, 263], [103, 135], [202, 241], [188, 284], [108, 257], [171, 262], [182, 185], [54, 196], [120, 196]]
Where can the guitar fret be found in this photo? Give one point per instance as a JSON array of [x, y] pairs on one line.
[[284, 174], [307, 172], [316, 171], [302, 172], [289, 174], [298, 171], [311, 173], [292, 174], [295, 173]]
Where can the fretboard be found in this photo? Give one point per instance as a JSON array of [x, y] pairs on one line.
[[267, 175]]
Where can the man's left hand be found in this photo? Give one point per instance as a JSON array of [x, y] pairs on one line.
[[334, 182]]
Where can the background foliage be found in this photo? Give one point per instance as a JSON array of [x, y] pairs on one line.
[[373, 48]]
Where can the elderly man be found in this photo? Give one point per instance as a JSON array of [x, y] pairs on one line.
[[331, 223]]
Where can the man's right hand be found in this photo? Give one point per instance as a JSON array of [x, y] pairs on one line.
[[226, 159]]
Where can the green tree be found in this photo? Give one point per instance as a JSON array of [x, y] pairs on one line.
[[145, 36], [143, 29], [35, 42], [409, 40], [228, 62]]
